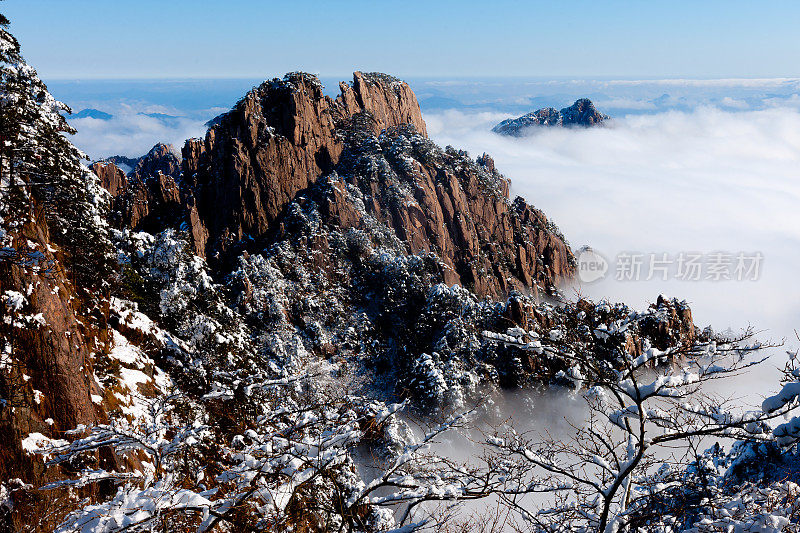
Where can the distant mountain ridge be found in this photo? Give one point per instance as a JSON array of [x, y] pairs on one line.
[[163, 118], [581, 113], [169, 120], [92, 113]]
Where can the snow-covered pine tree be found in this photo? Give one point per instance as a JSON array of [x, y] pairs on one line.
[[42, 177]]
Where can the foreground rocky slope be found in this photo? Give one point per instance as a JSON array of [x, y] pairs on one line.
[[581, 113]]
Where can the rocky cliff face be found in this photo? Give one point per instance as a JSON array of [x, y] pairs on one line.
[[279, 139], [581, 113], [285, 134], [443, 202], [388, 100], [56, 263], [50, 342], [275, 142]]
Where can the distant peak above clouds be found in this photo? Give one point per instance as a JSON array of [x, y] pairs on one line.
[[91, 113], [581, 113]]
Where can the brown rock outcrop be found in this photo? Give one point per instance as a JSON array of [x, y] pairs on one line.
[[285, 134], [53, 341], [114, 180], [275, 142], [671, 324], [111, 177], [389, 100]]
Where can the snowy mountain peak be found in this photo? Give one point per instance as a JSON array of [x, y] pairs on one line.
[[581, 113]]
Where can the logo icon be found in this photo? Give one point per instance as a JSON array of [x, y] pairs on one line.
[[591, 265]]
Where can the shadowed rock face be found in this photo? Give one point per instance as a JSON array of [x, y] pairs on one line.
[[149, 198], [581, 113], [112, 178], [161, 159], [285, 135]]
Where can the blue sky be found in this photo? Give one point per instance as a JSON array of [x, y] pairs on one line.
[[238, 38]]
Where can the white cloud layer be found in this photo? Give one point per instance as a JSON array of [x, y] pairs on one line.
[[132, 134], [705, 180]]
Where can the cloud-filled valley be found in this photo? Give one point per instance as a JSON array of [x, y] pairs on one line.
[[132, 133], [702, 181]]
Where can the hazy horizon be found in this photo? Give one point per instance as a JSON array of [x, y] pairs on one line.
[[170, 110]]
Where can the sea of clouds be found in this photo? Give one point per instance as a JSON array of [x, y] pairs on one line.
[[144, 112], [708, 180], [712, 178], [132, 131]]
